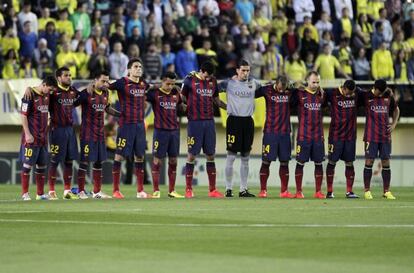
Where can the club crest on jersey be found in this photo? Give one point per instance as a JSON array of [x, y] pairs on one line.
[[137, 92], [204, 92]]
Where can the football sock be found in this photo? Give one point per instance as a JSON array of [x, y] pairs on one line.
[[25, 177], [318, 176], [116, 174], [40, 178], [229, 170], [298, 176], [97, 176], [52, 175], [330, 173], [67, 175], [139, 172], [264, 175], [284, 177], [244, 172], [155, 170], [367, 177], [350, 175], [211, 172], [189, 169], [172, 174], [83, 167], [386, 178]]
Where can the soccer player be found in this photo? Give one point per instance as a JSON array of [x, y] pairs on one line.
[[33, 149], [92, 139], [201, 91], [131, 131], [310, 142], [379, 106], [165, 102], [240, 125], [342, 134], [276, 134]]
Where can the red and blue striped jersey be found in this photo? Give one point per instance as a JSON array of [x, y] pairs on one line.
[[200, 96], [309, 114], [277, 109], [343, 115], [61, 106], [93, 115], [165, 108], [377, 112], [36, 110], [131, 97]]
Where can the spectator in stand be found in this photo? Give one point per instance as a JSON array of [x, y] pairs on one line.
[[323, 24], [373, 8], [152, 63], [133, 52], [399, 43], [327, 38], [226, 7], [118, 61], [295, 68], [362, 68], [262, 24], [186, 60], [222, 37], [83, 61], [69, 5], [28, 39], [10, 41], [208, 19], [174, 9], [205, 34], [279, 25], [63, 25], [26, 70], [152, 27], [340, 5], [326, 64], [273, 63], [382, 64], [205, 53], [255, 59], [99, 62], [43, 59], [302, 8], [11, 66], [343, 27], [227, 60], [400, 67], [136, 39], [387, 29], [377, 37], [344, 55], [118, 36], [410, 68], [45, 19], [68, 59], [409, 24], [362, 32], [27, 15], [167, 56], [173, 37], [307, 24], [188, 24], [290, 40], [212, 6], [11, 20], [81, 20], [134, 22], [97, 38], [157, 7], [51, 36], [308, 44], [245, 9], [309, 62], [242, 40]]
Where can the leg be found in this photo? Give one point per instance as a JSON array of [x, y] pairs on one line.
[[189, 170], [97, 176], [40, 178], [368, 174], [67, 174], [172, 173], [231, 157], [386, 174], [350, 175], [318, 177], [299, 177], [211, 172], [25, 177], [139, 172], [284, 176], [116, 172], [244, 171], [330, 173], [264, 174], [83, 168], [155, 171]]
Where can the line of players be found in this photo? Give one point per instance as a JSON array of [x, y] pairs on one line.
[[198, 94]]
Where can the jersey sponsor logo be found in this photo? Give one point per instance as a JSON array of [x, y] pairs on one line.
[[346, 104], [43, 108], [379, 109], [313, 106], [280, 99], [168, 105], [137, 92], [205, 92], [66, 102], [99, 107], [244, 94]]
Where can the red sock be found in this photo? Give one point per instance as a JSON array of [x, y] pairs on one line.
[[97, 180], [40, 180], [264, 175], [298, 177], [172, 174], [189, 170], [350, 175], [211, 172], [139, 172], [155, 170], [52, 176], [330, 173], [67, 175], [81, 176], [318, 177], [284, 177], [25, 177], [116, 174]]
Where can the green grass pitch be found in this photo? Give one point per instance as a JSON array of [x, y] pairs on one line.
[[205, 235]]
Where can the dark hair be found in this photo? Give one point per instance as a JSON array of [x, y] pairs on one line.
[[100, 73], [60, 71], [381, 85], [242, 62], [282, 79], [349, 84], [310, 73], [132, 61], [169, 75], [50, 81], [208, 67], [378, 24]]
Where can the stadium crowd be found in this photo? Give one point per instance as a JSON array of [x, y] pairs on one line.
[[362, 39]]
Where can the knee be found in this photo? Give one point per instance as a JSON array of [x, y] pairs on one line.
[[172, 160], [283, 163], [97, 165]]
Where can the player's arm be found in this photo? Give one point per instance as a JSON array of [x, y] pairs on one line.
[[395, 110], [222, 86], [82, 96], [26, 105], [28, 95], [220, 103], [112, 111]]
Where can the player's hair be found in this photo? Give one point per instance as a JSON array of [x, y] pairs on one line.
[[381, 85], [242, 62], [349, 84], [100, 73], [282, 79], [132, 61], [169, 75], [60, 71], [50, 81], [208, 67], [310, 73]]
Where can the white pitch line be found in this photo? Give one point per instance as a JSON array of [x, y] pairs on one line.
[[207, 225]]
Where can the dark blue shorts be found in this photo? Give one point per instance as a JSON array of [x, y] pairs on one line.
[[276, 146], [341, 150], [313, 150], [131, 140], [63, 144], [375, 149], [166, 142], [92, 151], [32, 155], [201, 133]]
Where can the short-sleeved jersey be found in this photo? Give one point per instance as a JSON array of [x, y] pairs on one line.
[[277, 109], [131, 97], [165, 108], [309, 114], [93, 115], [61, 106], [200, 96], [343, 111], [37, 111], [377, 112]]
